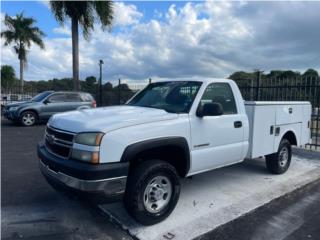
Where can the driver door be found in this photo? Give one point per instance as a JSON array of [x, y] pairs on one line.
[[55, 103], [217, 140]]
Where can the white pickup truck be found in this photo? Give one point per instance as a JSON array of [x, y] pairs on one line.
[[167, 131]]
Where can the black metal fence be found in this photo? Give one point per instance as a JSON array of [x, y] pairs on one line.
[[267, 89], [16, 94], [117, 93], [287, 89]]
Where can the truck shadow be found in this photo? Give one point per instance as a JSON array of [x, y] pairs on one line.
[[306, 153]]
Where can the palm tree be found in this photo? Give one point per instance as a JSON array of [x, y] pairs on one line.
[[22, 32], [83, 13]]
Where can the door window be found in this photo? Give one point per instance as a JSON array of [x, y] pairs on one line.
[[56, 98], [220, 93], [86, 97], [73, 97]]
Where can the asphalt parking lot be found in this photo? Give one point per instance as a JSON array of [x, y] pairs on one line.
[[31, 209]]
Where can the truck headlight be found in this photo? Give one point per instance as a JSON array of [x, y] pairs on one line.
[[85, 156], [88, 154], [13, 108], [91, 139]]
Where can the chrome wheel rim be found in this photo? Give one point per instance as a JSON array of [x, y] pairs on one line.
[[283, 156], [157, 194], [28, 119]]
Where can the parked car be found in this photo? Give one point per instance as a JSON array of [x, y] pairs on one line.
[[8, 98], [169, 130], [44, 105]]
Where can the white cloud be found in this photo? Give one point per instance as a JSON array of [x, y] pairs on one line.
[[157, 14], [126, 14], [45, 3], [205, 39], [64, 30]]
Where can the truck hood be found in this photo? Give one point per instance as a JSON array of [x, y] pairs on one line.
[[106, 119]]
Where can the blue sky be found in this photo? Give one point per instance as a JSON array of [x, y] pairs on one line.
[[47, 22], [177, 39]]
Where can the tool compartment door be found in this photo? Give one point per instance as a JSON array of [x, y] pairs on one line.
[[289, 113], [262, 126]]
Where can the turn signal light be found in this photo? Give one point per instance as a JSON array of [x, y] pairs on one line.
[[95, 158]]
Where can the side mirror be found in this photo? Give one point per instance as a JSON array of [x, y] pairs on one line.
[[210, 109], [46, 101]]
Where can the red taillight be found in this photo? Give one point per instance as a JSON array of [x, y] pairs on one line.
[[94, 104]]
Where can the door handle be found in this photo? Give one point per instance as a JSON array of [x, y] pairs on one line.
[[237, 124], [271, 130]]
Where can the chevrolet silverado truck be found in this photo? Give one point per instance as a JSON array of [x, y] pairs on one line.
[[170, 130]]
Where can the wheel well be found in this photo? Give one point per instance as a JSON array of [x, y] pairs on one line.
[[174, 155], [291, 137], [83, 107], [29, 110]]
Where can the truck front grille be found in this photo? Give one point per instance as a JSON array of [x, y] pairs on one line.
[[58, 142]]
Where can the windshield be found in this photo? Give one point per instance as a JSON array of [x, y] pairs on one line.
[[175, 97], [40, 96]]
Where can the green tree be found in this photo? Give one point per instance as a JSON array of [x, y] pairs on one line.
[[283, 74], [8, 76], [83, 13], [311, 73], [244, 79], [90, 84], [108, 86], [22, 33], [91, 80]]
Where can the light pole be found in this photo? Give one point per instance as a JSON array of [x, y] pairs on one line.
[[100, 83]]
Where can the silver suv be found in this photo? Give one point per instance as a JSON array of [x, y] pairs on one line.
[[44, 105]]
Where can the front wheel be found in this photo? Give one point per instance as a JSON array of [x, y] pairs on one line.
[[152, 191], [28, 118], [279, 162]]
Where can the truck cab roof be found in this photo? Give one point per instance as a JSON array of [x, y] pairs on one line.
[[194, 79]]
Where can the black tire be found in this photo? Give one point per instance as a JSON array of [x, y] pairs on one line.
[[140, 178], [277, 163], [32, 116]]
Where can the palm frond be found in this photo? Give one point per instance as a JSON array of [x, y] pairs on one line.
[[58, 9], [105, 12], [84, 12], [8, 36], [22, 32]]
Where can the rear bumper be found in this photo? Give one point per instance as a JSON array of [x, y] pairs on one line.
[[104, 181]]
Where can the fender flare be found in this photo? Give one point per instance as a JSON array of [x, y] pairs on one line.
[[83, 107], [28, 109], [132, 150]]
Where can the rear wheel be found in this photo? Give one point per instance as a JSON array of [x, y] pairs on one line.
[[152, 191], [279, 162], [28, 118]]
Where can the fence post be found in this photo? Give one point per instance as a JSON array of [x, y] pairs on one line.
[[119, 91], [251, 90], [258, 85]]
